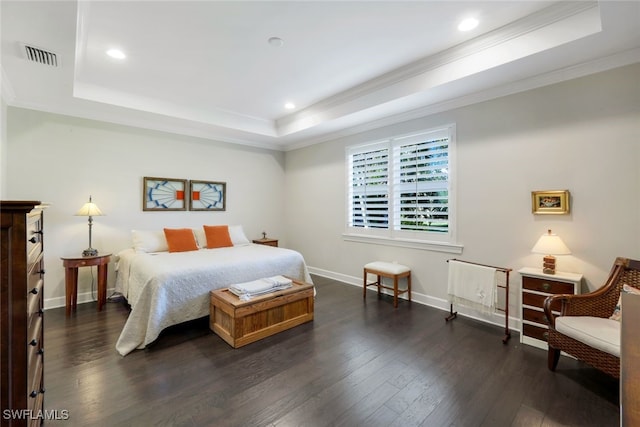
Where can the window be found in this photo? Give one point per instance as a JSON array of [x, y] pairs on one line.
[[369, 188], [401, 188]]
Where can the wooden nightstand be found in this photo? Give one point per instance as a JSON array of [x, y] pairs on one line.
[[536, 287], [267, 241], [71, 265]]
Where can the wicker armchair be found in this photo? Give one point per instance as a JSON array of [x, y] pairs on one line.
[[599, 303]]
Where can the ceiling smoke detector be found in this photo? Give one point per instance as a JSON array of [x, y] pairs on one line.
[[41, 56]]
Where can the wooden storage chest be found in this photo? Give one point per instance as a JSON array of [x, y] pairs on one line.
[[242, 322]]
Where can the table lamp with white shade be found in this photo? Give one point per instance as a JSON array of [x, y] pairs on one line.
[[89, 209], [550, 244]]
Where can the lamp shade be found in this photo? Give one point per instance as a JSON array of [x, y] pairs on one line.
[[89, 209], [550, 244]]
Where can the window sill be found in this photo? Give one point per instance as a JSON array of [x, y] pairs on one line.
[[405, 243]]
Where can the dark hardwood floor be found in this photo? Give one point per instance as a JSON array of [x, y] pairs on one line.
[[357, 364]]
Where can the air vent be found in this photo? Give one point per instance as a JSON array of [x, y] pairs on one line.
[[41, 56]]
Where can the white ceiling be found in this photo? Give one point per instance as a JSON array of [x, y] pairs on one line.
[[205, 68]]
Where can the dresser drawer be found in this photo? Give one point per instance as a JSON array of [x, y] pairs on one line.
[[548, 286], [34, 342], [34, 275], [34, 301], [37, 405], [35, 266], [34, 251], [536, 316], [34, 238], [537, 300], [35, 368], [35, 372], [35, 385], [34, 222], [537, 332]]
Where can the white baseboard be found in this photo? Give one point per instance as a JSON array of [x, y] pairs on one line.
[[83, 297], [439, 303]]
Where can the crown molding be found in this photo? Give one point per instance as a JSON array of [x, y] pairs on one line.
[[517, 29], [616, 60], [155, 122]]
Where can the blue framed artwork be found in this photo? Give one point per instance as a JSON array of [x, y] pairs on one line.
[[207, 196], [164, 194]]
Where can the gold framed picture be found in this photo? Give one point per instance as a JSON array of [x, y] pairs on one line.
[[208, 196], [164, 194], [550, 202]]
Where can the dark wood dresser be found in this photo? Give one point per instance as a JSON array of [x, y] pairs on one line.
[[21, 313], [536, 287]]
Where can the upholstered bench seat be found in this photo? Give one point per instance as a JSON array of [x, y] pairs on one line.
[[597, 332], [387, 267], [391, 270]]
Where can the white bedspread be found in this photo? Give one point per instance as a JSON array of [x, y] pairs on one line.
[[165, 289]]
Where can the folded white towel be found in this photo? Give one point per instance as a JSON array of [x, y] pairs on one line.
[[278, 281], [472, 285], [260, 286]]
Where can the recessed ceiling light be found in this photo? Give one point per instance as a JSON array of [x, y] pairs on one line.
[[276, 41], [116, 53], [289, 105], [468, 24]]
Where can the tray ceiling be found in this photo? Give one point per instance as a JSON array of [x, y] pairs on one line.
[[224, 70]]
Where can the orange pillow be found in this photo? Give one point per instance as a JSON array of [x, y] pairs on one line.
[[180, 239], [217, 236]]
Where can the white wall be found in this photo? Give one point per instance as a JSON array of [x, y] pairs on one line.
[[3, 147], [62, 160], [581, 135]]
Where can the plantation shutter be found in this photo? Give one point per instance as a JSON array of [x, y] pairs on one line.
[[421, 182], [369, 187]]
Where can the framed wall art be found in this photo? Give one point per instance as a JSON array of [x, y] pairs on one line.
[[207, 196], [552, 202], [164, 194]]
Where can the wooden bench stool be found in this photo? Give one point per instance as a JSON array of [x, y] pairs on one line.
[[391, 270]]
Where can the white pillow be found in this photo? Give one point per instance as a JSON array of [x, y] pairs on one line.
[[237, 235], [149, 241], [155, 241], [201, 238]]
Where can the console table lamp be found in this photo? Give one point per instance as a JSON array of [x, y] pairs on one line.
[[549, 245], [89, 209]]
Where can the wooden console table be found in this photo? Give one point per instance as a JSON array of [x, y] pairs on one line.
[[71, 265]]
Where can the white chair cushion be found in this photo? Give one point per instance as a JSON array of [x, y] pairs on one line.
[[387, 267], [596, 332]]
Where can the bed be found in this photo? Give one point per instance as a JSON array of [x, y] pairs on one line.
[[167, 288]]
